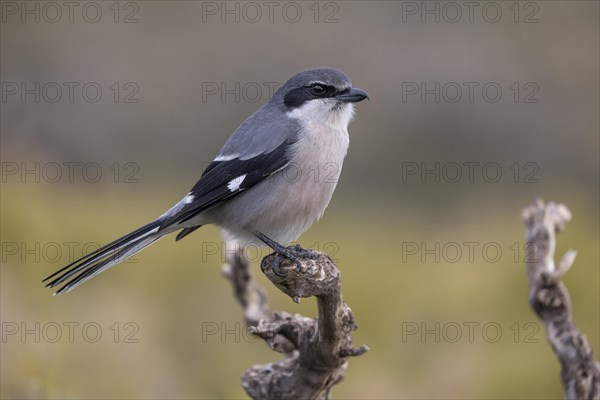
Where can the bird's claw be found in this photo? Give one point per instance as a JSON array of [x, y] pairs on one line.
[[294, 254]]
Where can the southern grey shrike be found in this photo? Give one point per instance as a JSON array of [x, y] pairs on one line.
[[248, 189]]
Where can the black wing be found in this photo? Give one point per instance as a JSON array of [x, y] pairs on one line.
[[218, 182]]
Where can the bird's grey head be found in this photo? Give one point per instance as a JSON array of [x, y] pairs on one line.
[[319, 95]]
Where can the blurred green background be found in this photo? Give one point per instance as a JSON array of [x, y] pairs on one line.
[[165, 325]]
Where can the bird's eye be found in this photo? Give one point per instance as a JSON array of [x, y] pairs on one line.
[[318, 90]]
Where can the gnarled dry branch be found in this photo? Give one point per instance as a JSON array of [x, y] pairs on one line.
[[549, 298], [317, 351]]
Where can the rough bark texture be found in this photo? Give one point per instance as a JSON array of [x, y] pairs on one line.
[[316, 351], [549, 298]]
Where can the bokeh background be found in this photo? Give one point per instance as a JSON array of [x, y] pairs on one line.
[[440, 323]]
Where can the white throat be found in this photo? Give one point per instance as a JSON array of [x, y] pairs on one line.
[[329, 112]]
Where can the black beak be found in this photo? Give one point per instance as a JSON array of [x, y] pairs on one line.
[[352, 95]]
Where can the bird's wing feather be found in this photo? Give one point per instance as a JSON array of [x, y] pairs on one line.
[[219, 182], [223, 180], [260, 133]]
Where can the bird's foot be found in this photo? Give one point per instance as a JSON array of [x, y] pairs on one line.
[[292, 253], [296, 254]]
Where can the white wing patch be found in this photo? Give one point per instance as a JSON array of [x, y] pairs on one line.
[[235, 183], [237, 156], [188, 199], [227, 157]]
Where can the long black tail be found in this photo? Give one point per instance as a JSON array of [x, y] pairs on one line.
[[105, 257]]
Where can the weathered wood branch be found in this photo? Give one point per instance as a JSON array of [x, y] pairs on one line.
[[549, 298], [317, 351]]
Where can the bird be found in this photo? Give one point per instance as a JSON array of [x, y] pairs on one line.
[[273, 178]]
